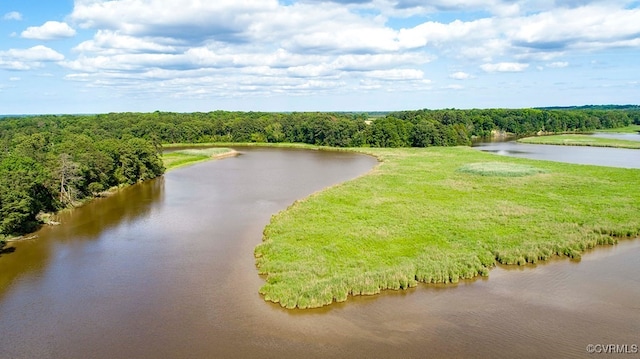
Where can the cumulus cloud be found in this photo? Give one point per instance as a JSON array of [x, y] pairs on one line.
[[13, 15], [504, 67], [315, 27], [588, 26], [444, 5], [594, 27], [26, 59], [396, 74], [460, 75], [50, 30], [222, 20], [439, 34], [259, 46], [303, 46], [109, 42]]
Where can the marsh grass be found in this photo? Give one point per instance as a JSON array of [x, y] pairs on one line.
[[500, 169], [628, 129], [181, 158], [581, 140], [417, 218]]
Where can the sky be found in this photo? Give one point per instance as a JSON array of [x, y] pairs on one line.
[[95, 56]]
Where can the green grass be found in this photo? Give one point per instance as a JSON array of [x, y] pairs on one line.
[[173, 160], [581, 140], [628, 129], [417, 218], [500, 169]]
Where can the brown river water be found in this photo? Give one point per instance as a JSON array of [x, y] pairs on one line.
[[165, 269]]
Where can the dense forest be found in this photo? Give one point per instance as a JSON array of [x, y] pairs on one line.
[[43, 171], [51, 162]]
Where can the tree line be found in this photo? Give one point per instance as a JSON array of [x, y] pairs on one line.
[[50, 162], [44, 172]]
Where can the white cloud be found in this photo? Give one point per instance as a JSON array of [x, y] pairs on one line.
[[14, 65], [36, 53], [50, 30], [109, 42], [226, 47], [366, 39], [549, 32], [26, 59], [409, 8], [13, 15], [558, 65], [460, 76], [225, 18], [14, 78], [593, 25], [362, 62], [321, 27], [396, 74], [78, 77], [439, 34], [504, 67]]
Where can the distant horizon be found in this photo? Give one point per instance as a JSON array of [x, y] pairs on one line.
[[311, 111], [99, 56]]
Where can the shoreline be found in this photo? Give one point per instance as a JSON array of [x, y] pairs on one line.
[[580, 140], [49, 219], [187, 157], [232, 153], [629, 129]]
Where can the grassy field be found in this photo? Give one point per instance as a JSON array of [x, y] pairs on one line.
[[581, 140], [628, 129], [436, 215], [176, 159]]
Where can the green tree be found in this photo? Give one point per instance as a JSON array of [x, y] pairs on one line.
[[139, 161], [67, 175], [22, 194]]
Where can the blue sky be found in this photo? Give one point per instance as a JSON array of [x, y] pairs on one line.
[[93, 56]]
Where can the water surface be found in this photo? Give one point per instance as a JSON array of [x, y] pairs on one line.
[[586, 155], [165, 269]]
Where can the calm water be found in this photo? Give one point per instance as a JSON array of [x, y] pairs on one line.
[[615, 157], [165, 270]]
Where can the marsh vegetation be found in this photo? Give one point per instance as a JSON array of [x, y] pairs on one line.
[[581, 140], [420, 217], [500, 169], [628, 129], [181, 158]]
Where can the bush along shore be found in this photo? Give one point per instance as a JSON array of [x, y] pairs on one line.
[[169, 161], [437, 215], [581, 140]]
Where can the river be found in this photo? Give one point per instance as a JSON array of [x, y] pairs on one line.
[[165, 269]]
